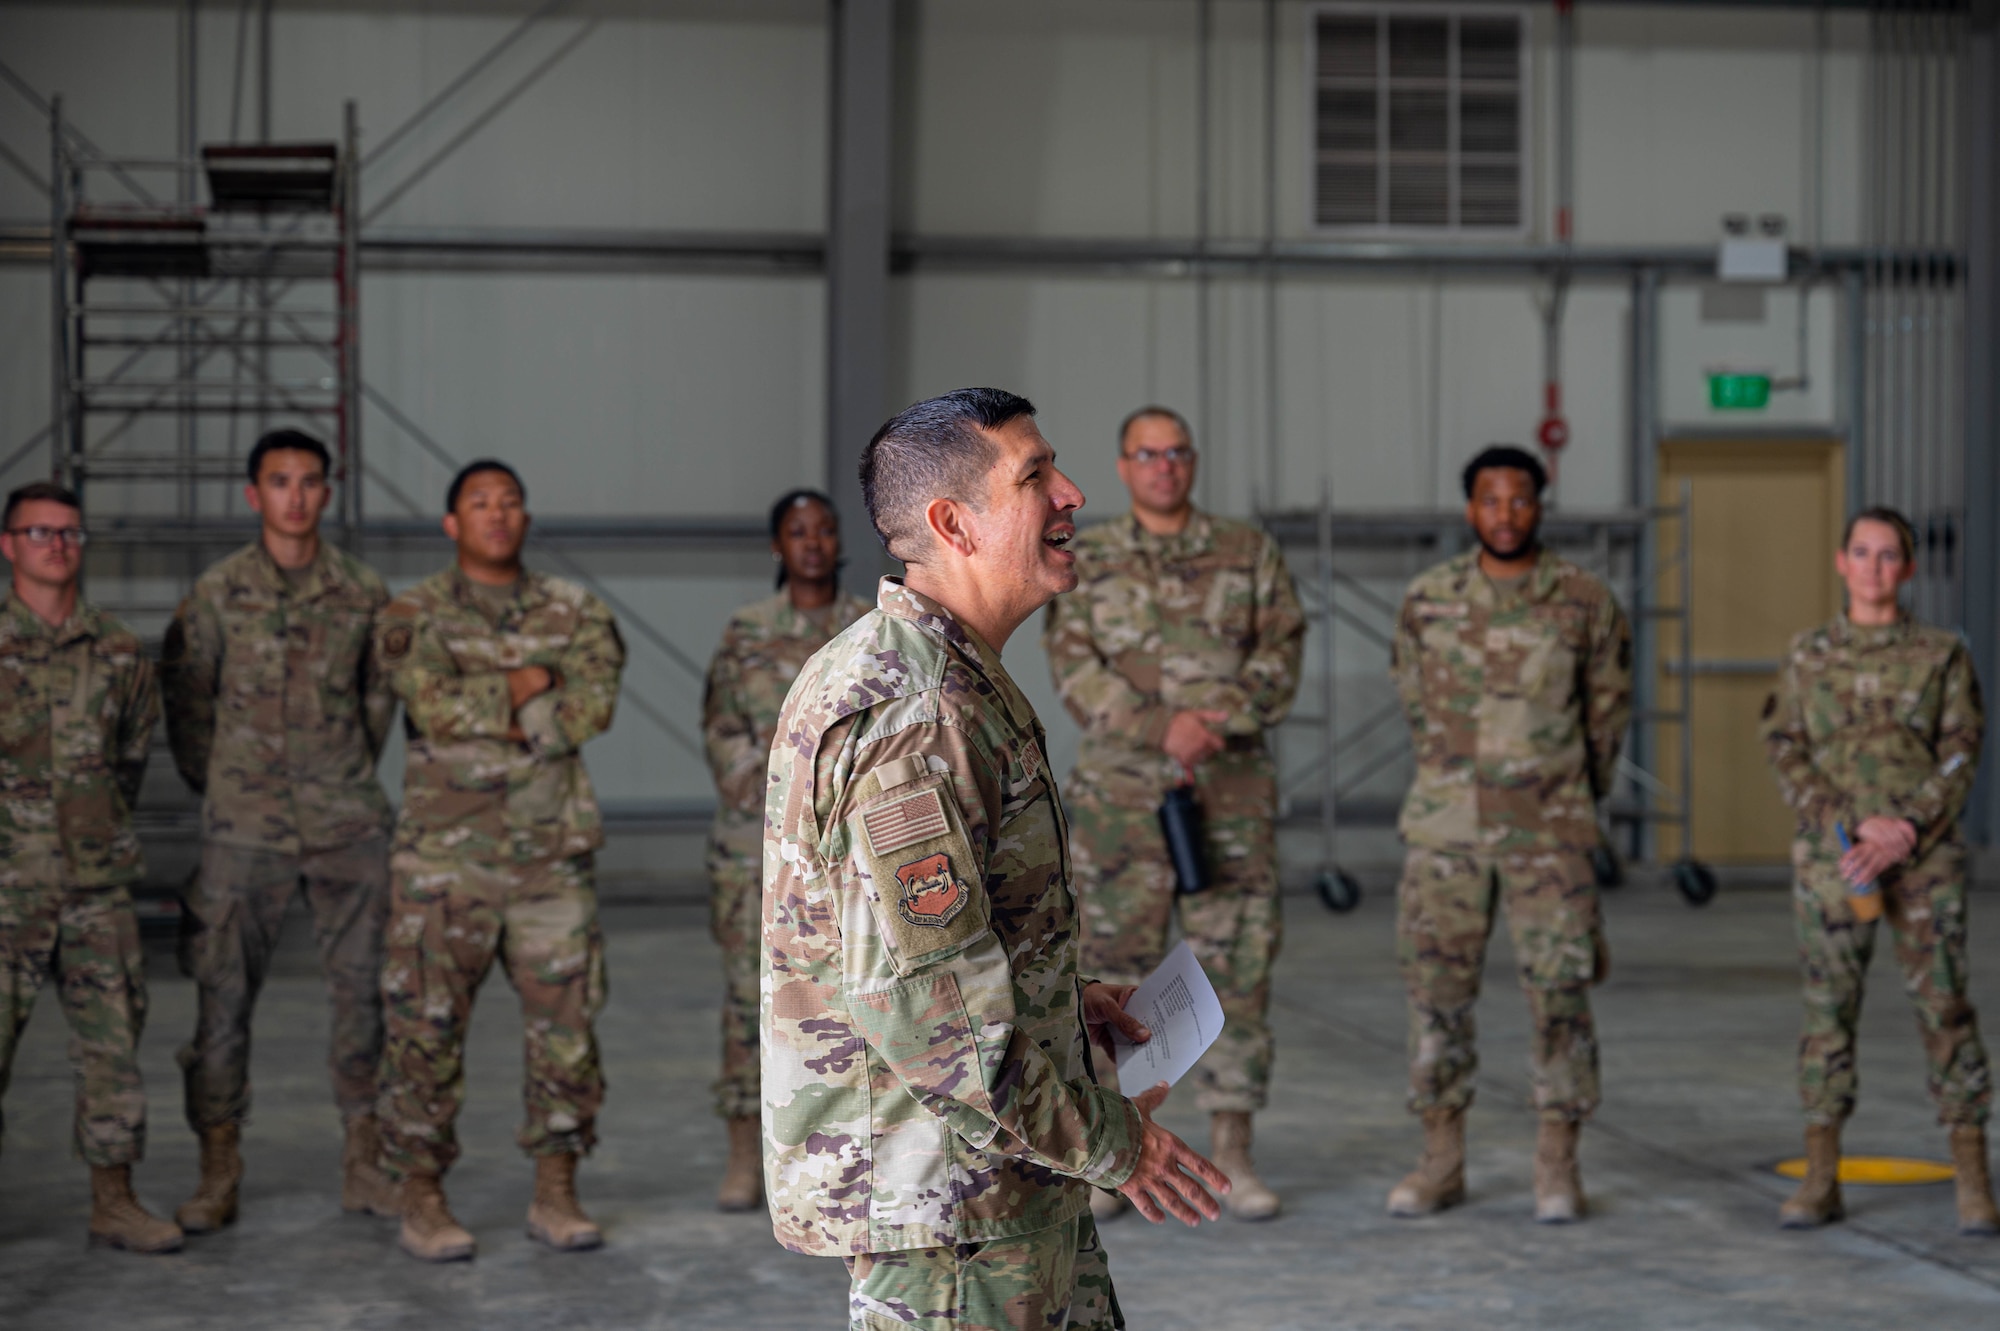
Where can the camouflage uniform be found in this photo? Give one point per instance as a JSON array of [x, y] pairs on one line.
[[1206, 619], [1882, 721], [276, 710], [765, 645], [1517, 697], [493, 856], [926, 1080], [77, 708]]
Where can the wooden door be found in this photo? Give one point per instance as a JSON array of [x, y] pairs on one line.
[[1767, 515]]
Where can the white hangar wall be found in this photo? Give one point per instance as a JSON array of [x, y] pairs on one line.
[[702, 394]]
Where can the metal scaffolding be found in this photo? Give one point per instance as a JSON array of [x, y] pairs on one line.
[[1654, 582], [203, 316]]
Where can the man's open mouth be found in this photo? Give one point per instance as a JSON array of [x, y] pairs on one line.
[[1059, 538]]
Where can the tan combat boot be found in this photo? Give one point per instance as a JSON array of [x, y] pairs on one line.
[[364, 1185], [1817, 1202], [555, 1217], [118, 1221], [430, 1232], [1558, 1180], [743, 1177], [1249, 1198], [1439, 1179], [1975, 1187], [214, 1202]]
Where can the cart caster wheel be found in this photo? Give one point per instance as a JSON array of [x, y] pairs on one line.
[[1604, 867], [1696, 882], [1338, 891]]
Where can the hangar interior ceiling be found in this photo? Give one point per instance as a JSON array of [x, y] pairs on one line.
[[673, 258]]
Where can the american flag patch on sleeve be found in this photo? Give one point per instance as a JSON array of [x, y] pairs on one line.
[[894, 826]]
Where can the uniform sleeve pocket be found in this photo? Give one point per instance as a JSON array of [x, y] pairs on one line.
[[923, 1031], [918, 872]]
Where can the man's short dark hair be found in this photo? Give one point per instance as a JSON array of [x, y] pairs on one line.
[[48, 491], [473, 468], [297, 441], [934, 449], [1496, 456], [1164, 413]]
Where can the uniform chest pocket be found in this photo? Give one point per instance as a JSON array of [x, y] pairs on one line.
[[1538, 657], [339, 637], [1228, 603], [24, 711], [1027, 878]]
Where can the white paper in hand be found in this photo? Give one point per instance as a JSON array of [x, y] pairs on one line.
[[1179, 1006]]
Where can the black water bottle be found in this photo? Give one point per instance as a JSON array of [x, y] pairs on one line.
[[1180, 824]]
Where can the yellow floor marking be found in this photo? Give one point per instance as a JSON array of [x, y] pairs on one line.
[[1878, 1169]]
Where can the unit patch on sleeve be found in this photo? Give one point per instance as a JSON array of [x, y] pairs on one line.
[[396, 642], [928, 894]]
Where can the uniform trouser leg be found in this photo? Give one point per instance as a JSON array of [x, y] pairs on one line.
[[1445, 911], [230, 922], [449, 921], [1125, 884], [735, 919], [1926, 909], [1049, 1280], [87, 940]]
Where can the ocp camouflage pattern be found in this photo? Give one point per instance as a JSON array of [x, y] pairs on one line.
[[1881, 721], [1203, 620], [1517, 706], [925, 1073], [276, 704], [764, 646], [78, 704], [1875, 721], [468, 788]]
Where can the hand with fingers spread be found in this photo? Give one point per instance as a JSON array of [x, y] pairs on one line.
[[1171, 1175]]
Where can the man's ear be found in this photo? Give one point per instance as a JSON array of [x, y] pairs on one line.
[[946, 520], [252, 498], [451, 527]]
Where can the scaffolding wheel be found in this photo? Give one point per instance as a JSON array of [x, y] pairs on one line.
[[1604, 867], [1696, 882], [1337, 890]]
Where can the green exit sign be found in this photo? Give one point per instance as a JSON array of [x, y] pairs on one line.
[[1739, 392]]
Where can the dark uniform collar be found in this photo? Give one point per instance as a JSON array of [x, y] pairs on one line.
[[322, 575], [1848, 632], [894, 598], [1471, 582], [1193, 539], [529, 592], [24, 625]]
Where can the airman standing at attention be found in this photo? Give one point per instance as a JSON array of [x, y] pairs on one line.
[[1515, 670], [504, 674], [930, 1112], [276, 710], [78, 702], [1875, 733], [1177, 651], [762, 650]]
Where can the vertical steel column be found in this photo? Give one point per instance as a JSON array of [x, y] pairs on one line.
[[1329, 744], [350, 320], [60, 448], [1643, 486], [1979, 167], [187, 145], [1204, 422], [1273, 484], [264, 75], [857, 259], [1854, 311]]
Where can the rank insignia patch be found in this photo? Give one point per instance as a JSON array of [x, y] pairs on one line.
[[928, 894]]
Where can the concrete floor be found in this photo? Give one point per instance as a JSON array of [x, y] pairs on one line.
[[1697, 1024]]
